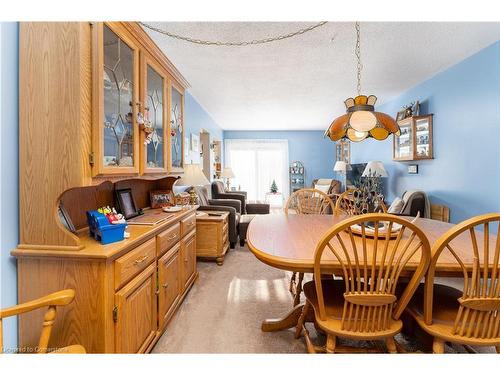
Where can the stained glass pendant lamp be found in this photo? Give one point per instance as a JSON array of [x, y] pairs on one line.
[[361, 121]]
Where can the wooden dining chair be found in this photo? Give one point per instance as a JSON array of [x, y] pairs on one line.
[[306, 202], [61, 298], [364, 305], [470, 316], [349, 203]]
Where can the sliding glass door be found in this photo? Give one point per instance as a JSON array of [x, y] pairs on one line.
[[256, 163]]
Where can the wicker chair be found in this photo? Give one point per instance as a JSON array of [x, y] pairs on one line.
[[306, 202]]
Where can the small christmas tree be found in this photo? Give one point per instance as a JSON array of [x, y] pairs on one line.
[[274, 187]]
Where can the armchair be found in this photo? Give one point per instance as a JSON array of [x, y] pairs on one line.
[[233, 206], [411, 203], [246, 208]]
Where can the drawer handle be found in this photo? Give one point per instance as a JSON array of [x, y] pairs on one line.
[[173, 236], [165, 285], [140, 260]]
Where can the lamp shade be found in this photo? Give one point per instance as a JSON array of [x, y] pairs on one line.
[[375, 169], [193, 176], [341, 166], [227, 172], [361, 121]]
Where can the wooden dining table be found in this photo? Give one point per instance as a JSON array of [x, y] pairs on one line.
[[288, 242]]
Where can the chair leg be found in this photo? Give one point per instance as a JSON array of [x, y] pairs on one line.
[[331, 343], [311, 349], [302, 318], [391, 345], [298, 290], [292, 282], [438, 346]]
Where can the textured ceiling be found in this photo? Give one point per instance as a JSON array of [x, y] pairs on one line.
[[301, 83]]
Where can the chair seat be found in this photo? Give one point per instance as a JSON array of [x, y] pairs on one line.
[[333, 292], [444, 312]]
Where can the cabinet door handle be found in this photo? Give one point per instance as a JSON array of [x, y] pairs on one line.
[[140, 260], [185, 260], [165, 285]]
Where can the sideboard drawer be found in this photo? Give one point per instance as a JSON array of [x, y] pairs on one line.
[[130, 264], [168, 238], [188, 224]]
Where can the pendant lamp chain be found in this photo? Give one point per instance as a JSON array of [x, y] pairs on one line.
[[358, 56]]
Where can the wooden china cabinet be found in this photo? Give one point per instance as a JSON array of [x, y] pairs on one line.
[[415, 141], [101, 109]]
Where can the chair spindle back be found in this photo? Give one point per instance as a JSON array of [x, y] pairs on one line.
[[351, 203], [371, 265], [478, 315]]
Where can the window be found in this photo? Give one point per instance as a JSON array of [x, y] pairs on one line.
[[256, 163]]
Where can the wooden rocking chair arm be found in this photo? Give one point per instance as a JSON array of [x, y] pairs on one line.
[[60, 298]]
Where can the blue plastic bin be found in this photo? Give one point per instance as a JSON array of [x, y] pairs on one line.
[[101, 229]]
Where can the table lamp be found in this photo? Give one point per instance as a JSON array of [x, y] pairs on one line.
[[342, 167], [193, 176], [227, 173], [375, 168]]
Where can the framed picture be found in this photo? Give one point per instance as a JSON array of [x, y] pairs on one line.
[[126, 203], [401, 115], [195, 142], [343, 151], [65, 219], [161, 198], [413, 169]]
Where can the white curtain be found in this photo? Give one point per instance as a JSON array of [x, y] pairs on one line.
[[256, 163]]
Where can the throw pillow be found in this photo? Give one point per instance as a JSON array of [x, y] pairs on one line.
[[396, 206], [323, 188]]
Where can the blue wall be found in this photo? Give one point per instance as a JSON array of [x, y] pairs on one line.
[[465, 171], [9, 208], [309, 147], [196, 119]]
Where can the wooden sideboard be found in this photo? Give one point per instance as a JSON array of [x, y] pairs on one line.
[[84, 90], [212, 236], [126, 292]]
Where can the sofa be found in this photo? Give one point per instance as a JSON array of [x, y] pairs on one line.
[[218, 192]]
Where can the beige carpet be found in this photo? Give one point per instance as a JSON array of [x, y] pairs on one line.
[[223, 311]]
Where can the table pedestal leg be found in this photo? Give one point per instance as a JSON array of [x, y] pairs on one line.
[[288, 321]]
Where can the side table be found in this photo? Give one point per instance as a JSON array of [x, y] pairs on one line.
[[274, 199], [212, 235]]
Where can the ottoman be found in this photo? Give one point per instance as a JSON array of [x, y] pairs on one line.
[[243, 227]]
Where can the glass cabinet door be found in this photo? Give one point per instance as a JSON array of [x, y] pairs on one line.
[[176, 130], [155, 119], [403, 145], [423, 138], [119, 143]]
